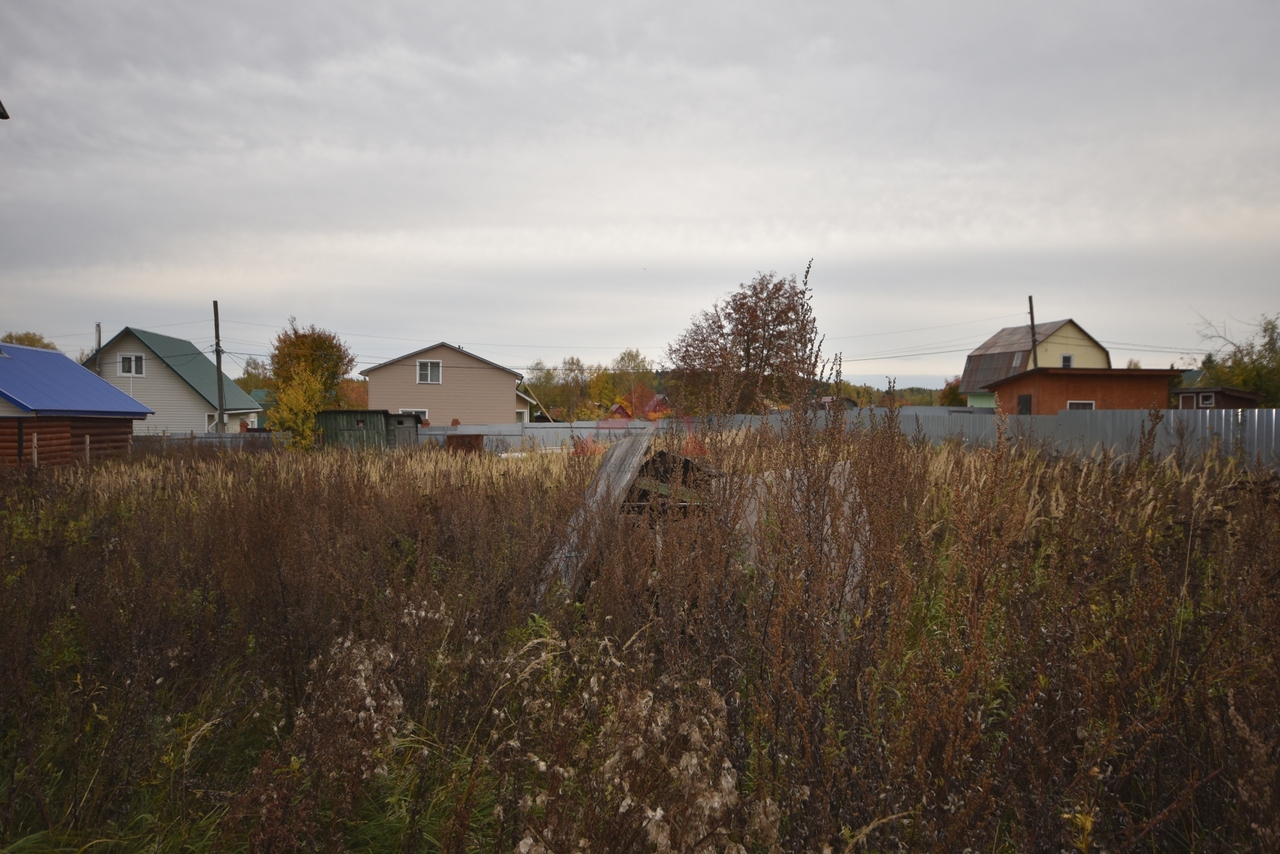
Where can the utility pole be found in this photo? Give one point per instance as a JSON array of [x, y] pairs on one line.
[[217, 352], [1031, 305], [97, 348]]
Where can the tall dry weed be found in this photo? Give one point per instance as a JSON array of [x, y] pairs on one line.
[[854, 641]]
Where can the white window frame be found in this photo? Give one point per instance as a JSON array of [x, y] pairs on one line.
[[135, 359], [421, 413], [1080, 405], [1068, 360], [1206, 400], [439, 372], [522, 416], [1017, 359]]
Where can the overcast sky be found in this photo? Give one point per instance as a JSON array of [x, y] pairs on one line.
[[535, 180]]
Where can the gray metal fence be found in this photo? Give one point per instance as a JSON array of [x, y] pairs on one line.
[[1254, 433], [1250, 432], [165, 442]]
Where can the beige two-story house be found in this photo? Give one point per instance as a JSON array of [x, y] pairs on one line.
[[443, 383]]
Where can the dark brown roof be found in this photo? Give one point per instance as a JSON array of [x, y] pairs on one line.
[[1014, 339], [1090, 372], [1224, 389]]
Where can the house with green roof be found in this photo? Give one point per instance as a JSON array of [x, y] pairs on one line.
[[175, 379]]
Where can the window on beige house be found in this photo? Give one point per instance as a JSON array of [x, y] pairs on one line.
[[428, 371], [130, 365]]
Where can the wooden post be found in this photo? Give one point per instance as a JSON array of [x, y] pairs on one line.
[[131, 443], [1035, 359], [217, 353], [35, 450], [86, 448]]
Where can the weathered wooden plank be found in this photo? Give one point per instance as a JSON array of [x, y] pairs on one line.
[[606, 491]]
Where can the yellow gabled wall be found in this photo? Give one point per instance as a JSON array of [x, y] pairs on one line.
[[1070, 339]]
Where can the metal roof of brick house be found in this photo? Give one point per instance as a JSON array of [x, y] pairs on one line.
[[1017, 339], [46, 382]]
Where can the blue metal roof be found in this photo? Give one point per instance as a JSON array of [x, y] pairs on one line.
[[45, 382]]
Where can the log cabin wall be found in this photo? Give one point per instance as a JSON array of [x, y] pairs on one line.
[[61, 440]]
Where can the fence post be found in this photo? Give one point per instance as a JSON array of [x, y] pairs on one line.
[[86, 448], [35, 450]]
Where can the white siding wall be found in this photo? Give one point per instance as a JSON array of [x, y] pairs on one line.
[[177, 406], [8, 409]]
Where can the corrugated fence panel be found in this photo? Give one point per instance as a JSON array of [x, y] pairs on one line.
[[1252, 432]]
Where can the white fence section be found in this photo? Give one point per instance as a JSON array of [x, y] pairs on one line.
[[1253, 433]]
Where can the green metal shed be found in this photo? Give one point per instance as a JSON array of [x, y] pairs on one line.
[[366, 428]]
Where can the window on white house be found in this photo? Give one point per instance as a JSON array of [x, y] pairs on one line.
[[1066, 362], [1079, 404], [131, 365], [1206, 400], [428, 371]]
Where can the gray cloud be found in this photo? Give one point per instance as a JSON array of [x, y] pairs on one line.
[[591, 175]]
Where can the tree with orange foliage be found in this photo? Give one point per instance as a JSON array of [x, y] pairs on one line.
[[316, 351], [758, 345]]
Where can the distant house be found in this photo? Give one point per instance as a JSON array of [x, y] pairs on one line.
[[443, 383], [265, 399], [655, 407], [53, 410], [837, 403], [1048, 391], [175, 379], [1217, 397], [1059, 344]]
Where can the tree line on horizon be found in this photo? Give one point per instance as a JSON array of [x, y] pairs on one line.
[[756, 350]]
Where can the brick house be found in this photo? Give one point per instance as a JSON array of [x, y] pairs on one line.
[[1058, 344], [1048, 391]]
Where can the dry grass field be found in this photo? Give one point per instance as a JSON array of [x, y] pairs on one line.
[[856, 643]]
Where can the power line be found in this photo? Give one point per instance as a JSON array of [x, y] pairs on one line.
[[926, 328], [882, 358]]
